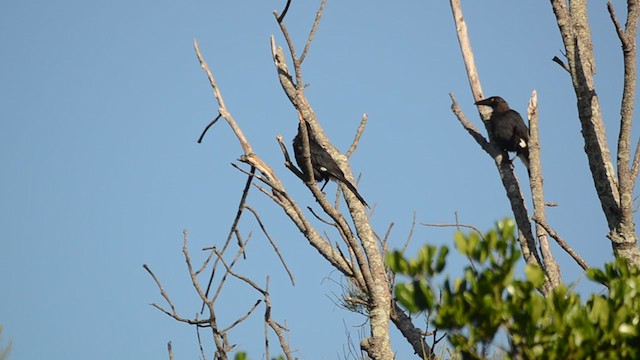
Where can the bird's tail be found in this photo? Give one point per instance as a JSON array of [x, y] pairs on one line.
[[356, 193], [353, 190], [524, 156]]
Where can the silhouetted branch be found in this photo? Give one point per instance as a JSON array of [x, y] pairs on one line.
[[284, 13], [234, 225], [559, 61], [207, 127]]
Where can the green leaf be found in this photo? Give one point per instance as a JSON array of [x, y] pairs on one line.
[[405, 295], [442, 259], [423, 297], [241, 356], [534, 275], [628, 330], [600, 311], [461, 242], [397, 263], [597, 275]]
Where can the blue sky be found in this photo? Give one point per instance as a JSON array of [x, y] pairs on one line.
[[101, 104]]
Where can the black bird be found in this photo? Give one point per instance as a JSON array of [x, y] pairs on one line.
[[323, 165], [507, 128]]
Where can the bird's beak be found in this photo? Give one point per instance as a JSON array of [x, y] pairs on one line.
[[483, 102]]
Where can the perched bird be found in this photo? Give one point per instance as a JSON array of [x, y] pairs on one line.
[[507, 128], [323, 165]]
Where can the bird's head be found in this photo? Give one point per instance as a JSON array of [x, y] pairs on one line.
[[496, 103]]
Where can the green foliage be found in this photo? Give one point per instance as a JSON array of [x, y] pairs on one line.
[[243, 356], [489, 299]]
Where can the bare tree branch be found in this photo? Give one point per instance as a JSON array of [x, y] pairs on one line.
[[356, 139], [234, 225], [365, 246], [615, 193], [162, 292], [467, 54], [313, 31], [624, 165], [551, 267], [510, 183], [284, 13], [273, 244], [505, 169], [559, 61], [563, 244]]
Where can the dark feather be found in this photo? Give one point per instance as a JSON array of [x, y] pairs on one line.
[[323, 166]]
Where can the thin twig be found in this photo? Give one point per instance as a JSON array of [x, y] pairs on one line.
[[616, 24], [284, 12], [563, 244], [458, 226], [296, 62], [468, 125], [234, 225], [223, 108], [162, 292], [233, 263], [559, 61], [238, 276], [170, 350], [207, 127], [356, 139], [313, 31], [243, 318], [473, 265], [386, 237], [204, 357], [410, 236], [273, 244], [287, 160], [467, 52]]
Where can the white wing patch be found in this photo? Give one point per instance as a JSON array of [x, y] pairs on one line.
[[522, 143]]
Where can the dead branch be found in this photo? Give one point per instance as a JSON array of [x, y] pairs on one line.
[[170, 350], [615, 193], [551, 267], [510, 183], [223, 279], [624, 166], [281, 18], [365, 247], [312, 33], [273, 244], [234, 225], [563, 244], [559, 61], [204, 357], [162, 292], [467, 53], [457, 226], [505, 169], [356, 139]]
